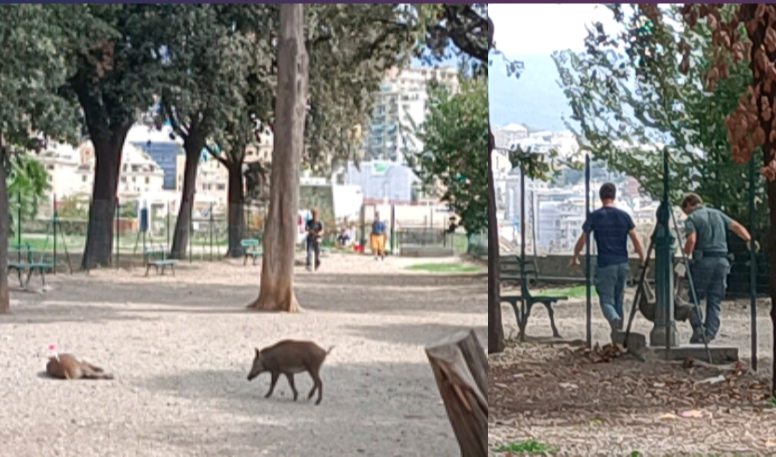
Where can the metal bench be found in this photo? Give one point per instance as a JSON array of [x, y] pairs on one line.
[[157, 257], [251, 249], [513, 270], [25, 263]]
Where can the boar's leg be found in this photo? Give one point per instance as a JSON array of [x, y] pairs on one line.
[[274, 381], [290, 377]]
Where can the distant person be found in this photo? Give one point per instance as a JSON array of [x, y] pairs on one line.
[[344, 237], [377, 238], [611, 228], [314, 237], [706, 230]]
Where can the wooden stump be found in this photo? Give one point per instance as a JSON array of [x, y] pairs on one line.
[[461, 371]]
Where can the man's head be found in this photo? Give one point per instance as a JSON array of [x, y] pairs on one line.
[[607, 193], [377, 216], [690, 202], [315, 214]]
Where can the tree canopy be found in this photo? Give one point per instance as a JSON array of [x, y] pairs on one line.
[[631, 94], [454, 137]]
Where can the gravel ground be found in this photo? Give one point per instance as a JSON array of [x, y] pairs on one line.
[[181, 348], [558, 396]]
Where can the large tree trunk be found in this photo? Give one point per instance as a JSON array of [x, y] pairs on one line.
[[495, 327], [193, 145], [99, 236], [461, 371], [276, 292], [5, 301], [768, 152], [236, 199]]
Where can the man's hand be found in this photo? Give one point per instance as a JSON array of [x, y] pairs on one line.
[[574, 262], [756, 245]]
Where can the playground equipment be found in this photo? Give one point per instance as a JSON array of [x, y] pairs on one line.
[[664, 330]]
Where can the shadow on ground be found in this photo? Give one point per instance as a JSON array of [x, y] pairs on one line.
[[413, 334], [373, 405]]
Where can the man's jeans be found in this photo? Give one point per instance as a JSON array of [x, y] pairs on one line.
[[709, 276], [313, 247], [610, 285]]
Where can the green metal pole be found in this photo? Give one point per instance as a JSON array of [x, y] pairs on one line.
[[54, 222], [752, 266], [393, 228], [664, 331], [118, 225], [588, 288], [19, 220], [168, 225]]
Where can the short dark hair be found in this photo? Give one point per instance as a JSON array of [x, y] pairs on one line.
[[691, 199], [607, 191]]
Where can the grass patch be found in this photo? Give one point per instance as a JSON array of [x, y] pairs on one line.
[[444, 268], [571, 292], [528, 447]]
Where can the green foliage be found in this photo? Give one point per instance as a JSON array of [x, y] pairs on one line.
[[350, 48], [32, 69], [528, 447], [465, 26], [27, 186], [31, 72], [629, 99], [454, 136], [117, 69], [212, 64]]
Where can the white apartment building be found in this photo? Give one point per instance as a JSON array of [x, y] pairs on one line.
[[213, 176], [139, 175], [509, 134], [61, 163], [402, 97]]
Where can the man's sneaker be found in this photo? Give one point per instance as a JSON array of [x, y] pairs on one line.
[[616, 324], [697, 339], [309, 268]]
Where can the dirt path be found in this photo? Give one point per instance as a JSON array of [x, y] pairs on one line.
[[181, 349], [559, 397]]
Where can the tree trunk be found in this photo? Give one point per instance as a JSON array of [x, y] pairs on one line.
[[276, 292], [236, 198], [495, 327], [5, 301], [102, 210], [193, 145], [771, 185], [461, 371]]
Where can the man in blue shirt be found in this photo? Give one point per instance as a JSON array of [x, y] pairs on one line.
[[611, 228], [706, 230], [314, 235], [377, 238]]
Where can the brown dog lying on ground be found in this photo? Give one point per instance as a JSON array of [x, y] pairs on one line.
[[66, 366]]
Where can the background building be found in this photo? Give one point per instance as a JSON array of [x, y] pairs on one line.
[[402, 97]]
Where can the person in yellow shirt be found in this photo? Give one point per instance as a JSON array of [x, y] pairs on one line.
[[377, 238]]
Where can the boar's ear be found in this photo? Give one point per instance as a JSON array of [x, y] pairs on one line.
[[258, 354]]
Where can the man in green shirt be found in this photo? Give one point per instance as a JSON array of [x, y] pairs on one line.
[[706, 230]]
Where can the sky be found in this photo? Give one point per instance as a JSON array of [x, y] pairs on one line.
[[530, 33], [540, 29]]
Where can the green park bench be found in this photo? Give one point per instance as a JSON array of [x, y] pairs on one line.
[[510, 272], [251, 249], [24, 262], [157, 257]]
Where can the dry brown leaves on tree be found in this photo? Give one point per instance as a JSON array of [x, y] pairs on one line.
[[753, 123]]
